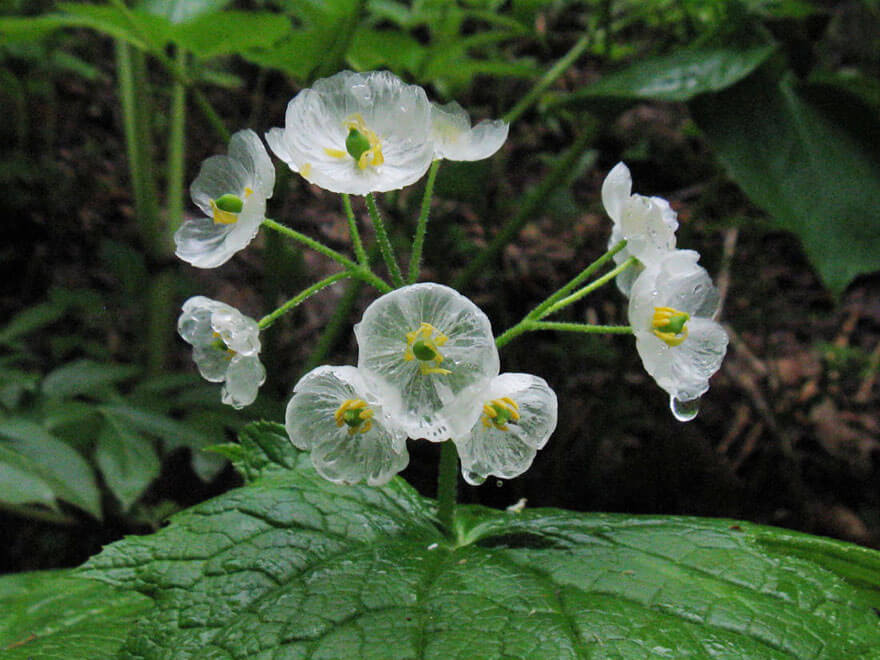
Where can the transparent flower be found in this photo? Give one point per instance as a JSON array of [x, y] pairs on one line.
[[670, 310], [357, 133], [647, 223], [428, 352], [518, 416], [226, 347], [350, 436], [232, 192], [454, 139]]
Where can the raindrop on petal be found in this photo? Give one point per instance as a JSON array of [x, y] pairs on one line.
[[684, 411], [473, 478]]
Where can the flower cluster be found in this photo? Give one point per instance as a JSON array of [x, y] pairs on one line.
[[350, 133], [671, 298], [427, 368]]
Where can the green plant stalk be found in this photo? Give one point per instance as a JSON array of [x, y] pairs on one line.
[[160, 330], [334, 326], [176, 147], [357, 271], [302, 296], [549, 77], [415, 262], [580, 278], [447, 485], [385, 246], [530, 325], [42, 515], [356, 241], [555, 178], [592, 286]]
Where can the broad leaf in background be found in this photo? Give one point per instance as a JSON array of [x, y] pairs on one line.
[[677, 77], [127, 460], [182, 11], [46, 459], [294, 565], [84, 377], [803, 164], [53, 616]]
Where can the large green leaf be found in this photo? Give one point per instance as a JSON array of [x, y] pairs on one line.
[[182, 11], [812, 165], [293, 566], [127, 460], [677, 77], [51, 615], [84, 377]]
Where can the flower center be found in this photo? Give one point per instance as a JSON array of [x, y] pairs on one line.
[[498, 412], [422, 345], [670, 325], [221, 346], [227, 207], [362, 144], [355, 414]]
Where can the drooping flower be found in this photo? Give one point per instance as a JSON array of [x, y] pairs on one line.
[[428, 353], [232, 192], [518, 416], [357, 133], [350, 436], [647, 223], [670, 310], [226, 348], [454, 139]]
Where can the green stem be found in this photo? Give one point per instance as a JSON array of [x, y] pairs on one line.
[[548, 79], [356, 242], [385, 246], [211, 115], [527, 209], [357, 271], [415, 262], [529, 325], [447, 485], [580, 278], [335, 325], [302, 296], [592, 286], [176, 147]]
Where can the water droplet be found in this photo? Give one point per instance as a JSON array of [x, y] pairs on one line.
[[684, 411], [473, 478]]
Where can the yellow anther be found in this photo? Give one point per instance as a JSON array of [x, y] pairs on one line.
[[498, 412], [355, 414], [305, 170], [422, 345], [372, 156], [670, 325], [335, 153]]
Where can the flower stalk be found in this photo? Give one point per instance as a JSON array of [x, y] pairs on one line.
[[415, 262]]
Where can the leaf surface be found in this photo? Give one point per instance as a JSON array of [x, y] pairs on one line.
[[53, 616], [293, 566]]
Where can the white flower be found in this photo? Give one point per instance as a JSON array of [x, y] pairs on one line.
[[232, 192], [226, 347], [357, 133], [518, 416], [670, 310], [647, 223], [454, 139], [428, 353], [350, 436]]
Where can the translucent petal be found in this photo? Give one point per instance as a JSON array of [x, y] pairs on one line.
[[194, 324], [312, 141], [616, 190], [211, 361], [488, 450], [246, 148], [244, 377], [338, 454], [239, 332], [676, 281], [625, 280], [454, 139], [436, 406], [644, 225]]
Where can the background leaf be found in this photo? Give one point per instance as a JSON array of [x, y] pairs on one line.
[[182, 11], [800, 162], [294, 565], [84, 377], [127, 460], [51, 615]]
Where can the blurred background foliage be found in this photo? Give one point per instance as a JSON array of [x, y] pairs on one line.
[[758, 119]]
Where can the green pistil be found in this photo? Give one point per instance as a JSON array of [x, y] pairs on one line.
[[502, 415], [675, 324], [356, 144], [229, 203], [352, 417], [423, 351]]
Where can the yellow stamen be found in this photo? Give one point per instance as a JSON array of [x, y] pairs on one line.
[[422, 345], [305, 170], [222, 217], [372, 156], [361, 422], [498, 412], [670, 325], [335, 153]]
